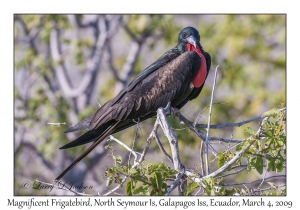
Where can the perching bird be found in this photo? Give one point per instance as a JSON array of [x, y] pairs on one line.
[[176, 77]]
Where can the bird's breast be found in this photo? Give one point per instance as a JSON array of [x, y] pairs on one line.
[[201, 74]]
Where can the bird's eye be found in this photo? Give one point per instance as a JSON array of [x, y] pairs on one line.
[[184, 35]]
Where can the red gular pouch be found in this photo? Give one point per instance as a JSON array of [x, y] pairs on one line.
[[201, 74]]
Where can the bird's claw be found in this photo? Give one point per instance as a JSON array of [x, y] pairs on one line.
[[171, 110], [174, 111]]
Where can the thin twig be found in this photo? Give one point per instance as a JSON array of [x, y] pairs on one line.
[[235, 172], [208, 123], [263, 179], [258, 180], [133, 142], [191, 126], [200, 114], [58, 124], [201, 157], [268, 188], [155, 136], [226, 125], [124, 145]]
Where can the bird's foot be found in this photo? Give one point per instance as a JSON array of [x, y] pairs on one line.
[[174, 111], [171, 110]]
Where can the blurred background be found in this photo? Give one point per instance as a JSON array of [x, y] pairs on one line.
[[66, 65]]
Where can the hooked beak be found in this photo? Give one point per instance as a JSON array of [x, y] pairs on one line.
[[192, 40]]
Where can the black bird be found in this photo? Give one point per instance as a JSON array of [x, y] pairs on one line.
[[177, 77]]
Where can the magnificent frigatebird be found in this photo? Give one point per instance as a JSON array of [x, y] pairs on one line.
[[176, 77]]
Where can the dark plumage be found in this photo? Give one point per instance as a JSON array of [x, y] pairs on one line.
[[177, 77]]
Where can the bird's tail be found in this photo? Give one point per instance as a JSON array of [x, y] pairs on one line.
[[91, 135], [82, 140]]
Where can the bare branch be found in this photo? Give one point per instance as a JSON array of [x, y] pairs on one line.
[[201, 157], [111, 137], [111, 65], [59, 124], [75, 22], [258, 180], [30, 38], [262, 180], [155, 136], [133, 142], [191, 126], [226, 125], [208, 123], [215, 138], [235, 172], [175, 183], [163, 122], [265, 189], [130, 33], [93, 63], [127, 68]]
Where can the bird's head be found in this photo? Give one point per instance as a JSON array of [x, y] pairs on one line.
[[188, 36]]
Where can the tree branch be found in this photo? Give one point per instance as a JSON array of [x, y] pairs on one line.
[[208, 123], [193, 128], [229, 174], [258, 180], [168, 131], [111, 137], [155, 136], [226, 125], [93, 63], [175, 183]]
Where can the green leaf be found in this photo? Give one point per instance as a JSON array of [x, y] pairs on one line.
[[153, 181], [141, 190], [118, 159], [208, 185], [128, 187], [279, 142], [249, 166], [159, 180], [268, 133], [271, 113], [270, 163], [239, 147], [163, 167], [173, 172], [249, 131], [133, 171], [258, 145], [164, 188], [221, 160], [268, 143], [190, 188], [109, 182], [279, 166], [257, 162]]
